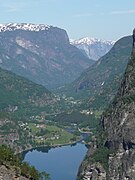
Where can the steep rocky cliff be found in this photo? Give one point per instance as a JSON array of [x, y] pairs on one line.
[[40, 53], [120, 126], [119, 135]]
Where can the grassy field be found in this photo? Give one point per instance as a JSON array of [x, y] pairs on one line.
[[51, 134], [33, 128]]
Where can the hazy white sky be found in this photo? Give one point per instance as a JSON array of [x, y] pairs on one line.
[[105, 19]]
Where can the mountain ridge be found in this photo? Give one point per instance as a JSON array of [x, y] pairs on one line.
[[91, 40], [23, 26], [102, 77], [43, 56]]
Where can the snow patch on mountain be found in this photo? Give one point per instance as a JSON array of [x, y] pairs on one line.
[[23, 26], [94, 48], [90, 41]]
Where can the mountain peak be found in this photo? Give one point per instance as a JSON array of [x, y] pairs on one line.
[[92, 47], [91, 40], [23, 26]]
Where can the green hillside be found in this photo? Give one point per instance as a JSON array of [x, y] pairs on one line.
[[22, 97], [99, 83]]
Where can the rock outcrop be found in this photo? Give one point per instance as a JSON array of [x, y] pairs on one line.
[[90, 170], [9, 173], [119, 129]]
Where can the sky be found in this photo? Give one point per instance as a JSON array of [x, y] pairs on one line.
[[104, 19]]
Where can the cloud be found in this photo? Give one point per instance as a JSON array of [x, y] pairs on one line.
[[83, 15], [123, 12], [120, 12], [13, 6]]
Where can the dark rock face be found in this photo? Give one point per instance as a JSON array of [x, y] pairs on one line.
[[119, 126], [43, 56], [90, 170]]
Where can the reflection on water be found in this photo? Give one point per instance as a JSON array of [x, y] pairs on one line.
[[61, 163]]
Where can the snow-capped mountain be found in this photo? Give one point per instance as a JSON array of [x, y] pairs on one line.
[[23, 26], [41, 53], [92, 47]]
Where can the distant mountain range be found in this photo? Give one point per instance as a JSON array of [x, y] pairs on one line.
[[44, 55], [41, 53], [92, 47]]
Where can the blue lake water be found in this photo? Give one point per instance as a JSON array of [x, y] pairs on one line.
[[61, 163]]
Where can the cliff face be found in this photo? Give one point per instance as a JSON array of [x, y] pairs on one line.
[[89, 169], [40, 53], [119, 130], [120, 124]]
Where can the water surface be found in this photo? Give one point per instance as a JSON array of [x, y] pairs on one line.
[[61, 163]]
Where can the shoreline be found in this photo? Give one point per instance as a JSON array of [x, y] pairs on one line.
[[53, 146], [48, 147]]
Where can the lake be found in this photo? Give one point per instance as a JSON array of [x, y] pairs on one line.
[[61, 163]]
